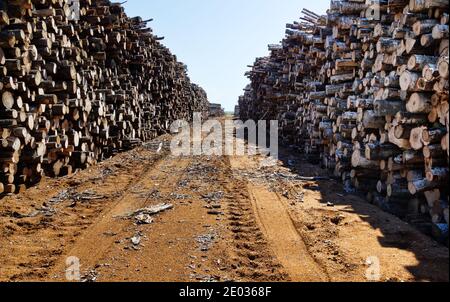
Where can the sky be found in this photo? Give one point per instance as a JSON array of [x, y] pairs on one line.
[[217, 39]]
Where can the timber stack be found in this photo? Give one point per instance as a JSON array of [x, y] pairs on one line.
[[363, 90], [75, 91], [216, 110]]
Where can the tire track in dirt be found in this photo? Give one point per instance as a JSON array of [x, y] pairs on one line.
[[283, 237], [273, 227], [342, 233], [251, 257], [180, 245], [31, 246], [107, 235]]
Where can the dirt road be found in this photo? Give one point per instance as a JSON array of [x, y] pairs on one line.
[[231, 219]]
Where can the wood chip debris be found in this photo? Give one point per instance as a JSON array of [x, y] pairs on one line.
[[144, 215], [72, 195]]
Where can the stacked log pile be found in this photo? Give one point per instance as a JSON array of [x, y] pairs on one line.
[[216, 110], [364, 92], [75, 91]]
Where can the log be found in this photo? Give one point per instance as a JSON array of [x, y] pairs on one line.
[[419, 103], [381, 152], [408, 81], [418, 62], [443, 67], [422, 185], [359, 161], [440, 31], [437, 174], [7, 100]]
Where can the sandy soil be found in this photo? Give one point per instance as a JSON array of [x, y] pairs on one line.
[[232, 220]]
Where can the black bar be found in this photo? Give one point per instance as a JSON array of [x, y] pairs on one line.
[[290, 292]]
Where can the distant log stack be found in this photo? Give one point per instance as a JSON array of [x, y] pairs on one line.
[[364, 91], [216, 110], [74, 92]]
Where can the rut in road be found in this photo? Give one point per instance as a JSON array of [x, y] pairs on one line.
[[106, 240], [272, 217], [283, 237]]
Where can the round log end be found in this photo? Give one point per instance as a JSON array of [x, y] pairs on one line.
[[416, 138], [356, 158], [412, 188]]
